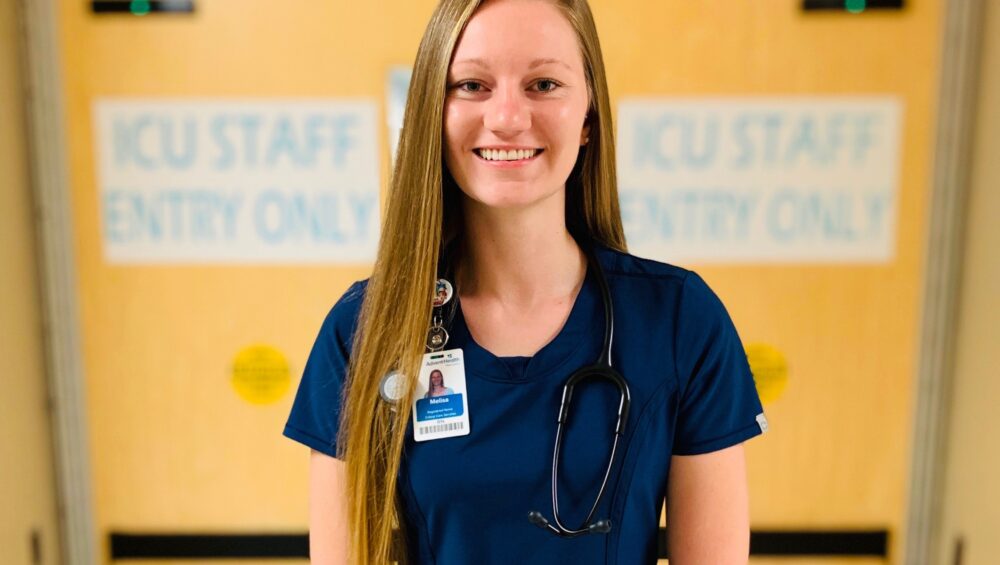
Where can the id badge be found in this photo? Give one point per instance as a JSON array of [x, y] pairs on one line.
[[441, 405]]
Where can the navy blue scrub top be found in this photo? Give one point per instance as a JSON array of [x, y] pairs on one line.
[[466, 499]]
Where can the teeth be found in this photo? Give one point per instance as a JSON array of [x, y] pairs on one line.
[[503, 155]]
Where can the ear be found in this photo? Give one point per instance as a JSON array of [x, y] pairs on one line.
[[585, 133]]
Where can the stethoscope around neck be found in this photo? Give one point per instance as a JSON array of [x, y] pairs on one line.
[[601, 370]]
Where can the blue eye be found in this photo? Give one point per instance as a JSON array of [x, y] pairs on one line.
[[461, 86], [553, 84]]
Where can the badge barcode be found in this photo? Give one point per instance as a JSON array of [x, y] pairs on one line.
[[441, 428]]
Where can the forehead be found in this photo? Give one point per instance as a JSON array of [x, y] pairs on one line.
[[517, 34]]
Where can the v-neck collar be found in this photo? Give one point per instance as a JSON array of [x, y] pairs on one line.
[[575, 345]]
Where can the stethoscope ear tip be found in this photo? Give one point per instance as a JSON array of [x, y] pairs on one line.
[[600, 527], [536, 518]]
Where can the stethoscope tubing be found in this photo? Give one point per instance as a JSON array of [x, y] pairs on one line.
[[601, 369]]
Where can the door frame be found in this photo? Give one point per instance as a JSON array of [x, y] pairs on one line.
[[958, 74], [48, 175]]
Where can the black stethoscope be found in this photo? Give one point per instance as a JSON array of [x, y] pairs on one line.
[[602, 369]]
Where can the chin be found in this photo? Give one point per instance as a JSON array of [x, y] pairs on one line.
[[508, 197], [506, 201]]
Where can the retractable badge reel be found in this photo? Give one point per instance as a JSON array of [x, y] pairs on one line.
[[393, 386], [441, 404]]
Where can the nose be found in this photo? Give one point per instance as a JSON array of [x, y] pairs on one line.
[[507, 111]]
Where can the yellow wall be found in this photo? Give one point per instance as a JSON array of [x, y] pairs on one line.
[[972, 492], [27, 488], [174, 448]]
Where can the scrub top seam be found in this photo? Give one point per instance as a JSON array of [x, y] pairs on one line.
[[642, 416], [677, 311], [656, 276], [425, 531], [643, 421]]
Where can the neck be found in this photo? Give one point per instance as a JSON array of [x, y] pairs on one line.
[[519, 256]]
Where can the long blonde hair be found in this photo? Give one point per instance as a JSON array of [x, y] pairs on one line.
[[423, 221]]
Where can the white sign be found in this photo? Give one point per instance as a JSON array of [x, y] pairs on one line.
[[238, 181], [760, 179]]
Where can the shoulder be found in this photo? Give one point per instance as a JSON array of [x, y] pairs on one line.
[[624, 266], [638, 276], [353, 296], [342, 318]]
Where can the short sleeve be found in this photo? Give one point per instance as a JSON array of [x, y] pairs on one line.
[[719, 405], [315, 416]]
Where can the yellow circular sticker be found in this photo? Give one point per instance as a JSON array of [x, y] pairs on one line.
[[770, 370], [260, 374]]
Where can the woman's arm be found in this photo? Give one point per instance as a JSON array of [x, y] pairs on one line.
[[708, 516], [327, 511]]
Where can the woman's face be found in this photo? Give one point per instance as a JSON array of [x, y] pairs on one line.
[[436, 378], [516, 84]]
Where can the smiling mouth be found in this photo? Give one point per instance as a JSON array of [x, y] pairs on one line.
[[508, 155]]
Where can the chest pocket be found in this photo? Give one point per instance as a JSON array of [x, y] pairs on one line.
[[641, 488]]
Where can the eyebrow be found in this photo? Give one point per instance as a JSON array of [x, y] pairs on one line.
[[534, 64]]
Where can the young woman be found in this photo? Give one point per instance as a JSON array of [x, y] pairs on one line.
[[435, 386], [505, 177]]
